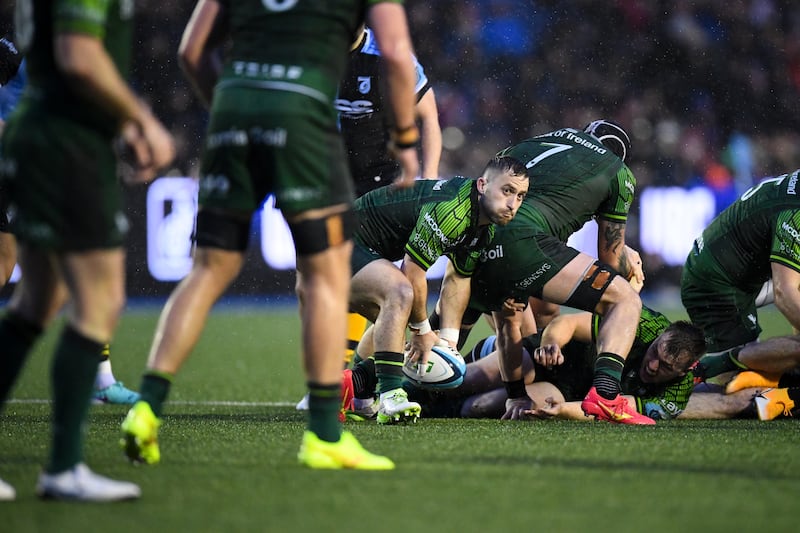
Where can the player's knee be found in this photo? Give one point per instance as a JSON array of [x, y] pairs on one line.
[[400, 295], [316, 235], [620, 292]]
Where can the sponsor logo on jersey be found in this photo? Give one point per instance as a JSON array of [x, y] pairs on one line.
[[629, 185], [274, 137], [791, 231], [491, 255], [364, 84], [227, 138], [252, 69], [354, 109], [527, 282], [571, 135], [434, 226], [256, 135], [791, 188], [420, 244]]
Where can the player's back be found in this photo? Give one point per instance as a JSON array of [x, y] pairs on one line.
[[573, 178], [293, 45], [741, 238]]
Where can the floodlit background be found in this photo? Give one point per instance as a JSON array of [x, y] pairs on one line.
[[708, 91]]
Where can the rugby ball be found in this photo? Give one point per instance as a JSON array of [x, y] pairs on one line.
[[445, 369]]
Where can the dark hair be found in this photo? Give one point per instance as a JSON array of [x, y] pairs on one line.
[[612, 136], [500, 164], [685, 338]]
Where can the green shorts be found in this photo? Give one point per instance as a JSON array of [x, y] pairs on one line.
[[727, 315], [518, 265], [61, 179], [362, 256], [265, 141]]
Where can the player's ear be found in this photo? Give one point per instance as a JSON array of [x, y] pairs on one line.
[[482, 181]]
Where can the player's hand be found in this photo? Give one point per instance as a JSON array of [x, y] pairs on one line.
[[511, 306], [420, 348], [446, 343], [516, 408], [548, 356], [550, 409], [144, 149], [634, 260]]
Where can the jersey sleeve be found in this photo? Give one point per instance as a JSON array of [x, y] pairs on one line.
[[786, 240], [670, 403], [427, 241], [620, 197], [422, 84], [81, 16], [10, 59]]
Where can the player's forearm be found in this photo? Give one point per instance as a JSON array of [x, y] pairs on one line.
[[389, 24], [416, 276], [509, 347], [611, 246], [431, 135], [89, 70], [198, 53], [453, 298], [559, 332]]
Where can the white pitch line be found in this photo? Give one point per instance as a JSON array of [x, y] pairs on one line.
[[186, 402]]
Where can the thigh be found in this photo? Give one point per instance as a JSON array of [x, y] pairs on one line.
[[528, 260], [375, 285]]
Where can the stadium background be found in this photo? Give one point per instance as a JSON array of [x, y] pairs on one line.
[[707, 89]]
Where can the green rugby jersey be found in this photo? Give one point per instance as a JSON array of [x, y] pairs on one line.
[[38, 21], [431, 219], [291, 45], [573, 179], [656, 400], [761, 227]]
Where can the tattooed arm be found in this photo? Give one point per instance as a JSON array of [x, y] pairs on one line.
[[611, 249]]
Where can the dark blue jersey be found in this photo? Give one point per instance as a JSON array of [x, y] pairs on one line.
[[365, 116]]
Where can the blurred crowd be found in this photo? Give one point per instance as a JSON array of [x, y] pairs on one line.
[[708, 89]]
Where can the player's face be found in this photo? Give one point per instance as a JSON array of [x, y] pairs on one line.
[[658, 366], [501, 196]]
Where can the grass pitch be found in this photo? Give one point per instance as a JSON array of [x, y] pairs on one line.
[[231, 433]]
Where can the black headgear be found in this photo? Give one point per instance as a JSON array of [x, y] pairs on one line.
[[612, 136]]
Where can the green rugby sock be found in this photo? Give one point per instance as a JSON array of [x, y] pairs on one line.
[[607, 374], [324, 403], [72, 374], [155, 389], [389, 369]]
